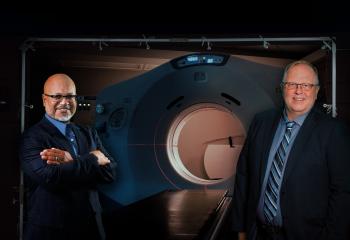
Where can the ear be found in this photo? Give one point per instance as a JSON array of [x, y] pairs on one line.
[[43, 98], [317, 89], [282, 90]]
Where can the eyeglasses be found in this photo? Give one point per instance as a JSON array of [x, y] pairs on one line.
[[293, 85], [59, 97]]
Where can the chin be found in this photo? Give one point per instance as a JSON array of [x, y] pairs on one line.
[[64, 118]]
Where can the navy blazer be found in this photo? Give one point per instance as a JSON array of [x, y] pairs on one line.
[[58, 195], [315, 192]]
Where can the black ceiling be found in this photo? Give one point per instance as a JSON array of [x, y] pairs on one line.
[[175, 18]]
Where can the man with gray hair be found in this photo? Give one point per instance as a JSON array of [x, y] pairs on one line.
[[293, 174]]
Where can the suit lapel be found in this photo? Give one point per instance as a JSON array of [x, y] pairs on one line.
[[61, 141], [267, 142], [300, 142]]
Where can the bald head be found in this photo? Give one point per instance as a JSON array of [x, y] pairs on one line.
[[59, 97], [58, 82]]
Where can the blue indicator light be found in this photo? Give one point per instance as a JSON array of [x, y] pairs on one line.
[[210, 60], [192, 58], [200, 59]]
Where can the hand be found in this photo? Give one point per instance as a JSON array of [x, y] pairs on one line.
[[101, 158], [242, 236], [55, 156]]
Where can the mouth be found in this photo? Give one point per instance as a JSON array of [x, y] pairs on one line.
[[299, 99], [64, 110]]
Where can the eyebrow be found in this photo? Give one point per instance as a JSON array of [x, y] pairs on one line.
[[63, 94]]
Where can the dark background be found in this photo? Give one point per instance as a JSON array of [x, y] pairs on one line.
[[169, 19]]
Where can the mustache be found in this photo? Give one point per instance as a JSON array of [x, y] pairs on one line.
[[65, 107]]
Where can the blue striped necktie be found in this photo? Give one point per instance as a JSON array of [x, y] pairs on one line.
[[275, 176]]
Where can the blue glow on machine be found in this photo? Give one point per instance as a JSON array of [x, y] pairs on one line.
[[133, 117]]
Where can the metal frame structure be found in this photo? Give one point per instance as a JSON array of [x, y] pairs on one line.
[[328, 42]]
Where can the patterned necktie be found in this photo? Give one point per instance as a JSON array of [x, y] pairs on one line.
[[275, 176], [71, 137]]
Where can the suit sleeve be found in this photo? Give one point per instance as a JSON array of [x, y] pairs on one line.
[[241, 184], [106, 173], [83, 171], [338, 160]]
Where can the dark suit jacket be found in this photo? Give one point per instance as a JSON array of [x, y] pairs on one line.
[[315, 192], [58, 195]]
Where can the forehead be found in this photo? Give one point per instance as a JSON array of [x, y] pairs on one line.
[[60, 86], [301, 72]]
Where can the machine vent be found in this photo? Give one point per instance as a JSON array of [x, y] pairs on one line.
[[117, 118], [232, 99], [177, 100]]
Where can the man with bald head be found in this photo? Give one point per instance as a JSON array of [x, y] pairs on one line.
[[63, 162], [293, 174], [60, 110]]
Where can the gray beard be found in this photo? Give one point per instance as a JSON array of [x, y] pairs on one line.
[[65, 119]]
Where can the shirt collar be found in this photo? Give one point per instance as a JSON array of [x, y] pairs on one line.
[[299, 120], [61, 126]]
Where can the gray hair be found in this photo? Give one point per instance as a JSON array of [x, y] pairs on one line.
[[289, 66]]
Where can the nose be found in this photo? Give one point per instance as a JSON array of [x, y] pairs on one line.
[[298, 89], [65, 101]]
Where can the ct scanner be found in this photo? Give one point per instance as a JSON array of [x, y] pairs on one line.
[[182, 125]]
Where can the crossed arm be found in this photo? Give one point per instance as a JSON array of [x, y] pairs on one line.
[[58, 156]]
